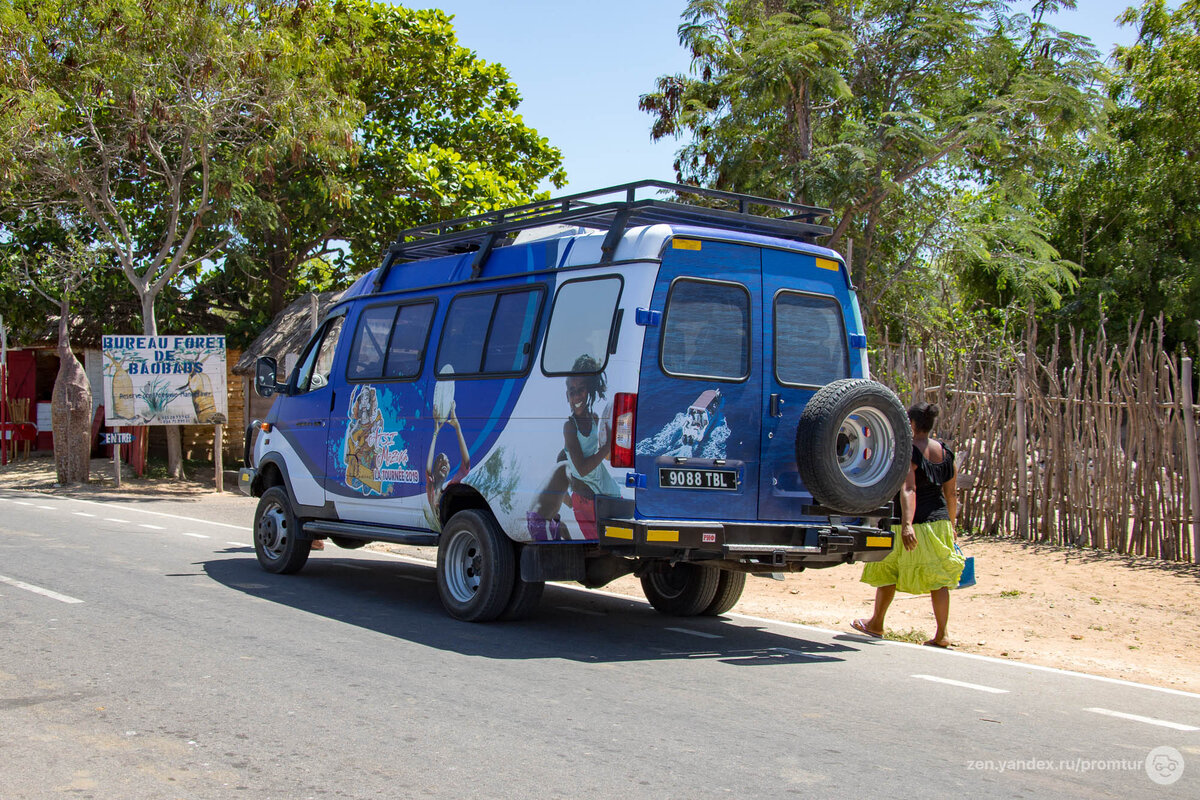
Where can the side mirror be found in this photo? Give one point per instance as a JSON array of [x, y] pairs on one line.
[[264, 377]]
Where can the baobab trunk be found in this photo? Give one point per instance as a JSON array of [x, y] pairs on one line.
[[71, 411]]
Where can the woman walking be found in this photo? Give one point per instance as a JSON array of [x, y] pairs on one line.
[[923, 558]]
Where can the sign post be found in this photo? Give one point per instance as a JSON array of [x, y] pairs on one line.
[[116, 440]]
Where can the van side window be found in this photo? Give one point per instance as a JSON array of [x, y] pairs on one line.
[[581, 324], [406, 352], [489, 334], [314, 369], [370, 342], [706, 330], [810, 340], [390, 342]]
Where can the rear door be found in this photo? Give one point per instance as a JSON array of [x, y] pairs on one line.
[[700, 395], [806, 316]]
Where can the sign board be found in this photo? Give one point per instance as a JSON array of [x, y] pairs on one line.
[[164, 380], [116, 438]]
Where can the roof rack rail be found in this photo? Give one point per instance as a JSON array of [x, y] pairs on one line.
[[613, 210]]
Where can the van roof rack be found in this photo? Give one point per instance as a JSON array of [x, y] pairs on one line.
[[613, 210]]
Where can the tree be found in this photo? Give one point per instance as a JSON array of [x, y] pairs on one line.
[[147, 116], [1127, 212], [439, 136], [56, 273], [883, 110]]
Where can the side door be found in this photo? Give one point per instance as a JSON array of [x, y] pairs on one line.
[[699, 412], [303, 415], [807, 313], [375, 428]]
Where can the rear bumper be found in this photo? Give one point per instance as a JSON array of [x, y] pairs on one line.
[[759, 546]]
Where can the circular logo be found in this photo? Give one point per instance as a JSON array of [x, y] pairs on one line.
[[1164, 765]]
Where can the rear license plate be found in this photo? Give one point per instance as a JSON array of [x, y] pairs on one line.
[[677, 478]]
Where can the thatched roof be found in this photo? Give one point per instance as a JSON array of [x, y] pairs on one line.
[[287, 333]]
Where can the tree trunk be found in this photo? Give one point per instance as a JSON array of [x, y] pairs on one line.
[[174, 432], [71, 410]]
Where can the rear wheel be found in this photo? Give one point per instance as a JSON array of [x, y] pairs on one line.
[[853, 445], [475, 567], [729, 591], [680, 590], [277, 541]]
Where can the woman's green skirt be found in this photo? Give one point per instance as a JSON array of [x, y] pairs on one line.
[[934, 564]]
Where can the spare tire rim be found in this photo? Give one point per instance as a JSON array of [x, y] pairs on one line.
[[865, 446]]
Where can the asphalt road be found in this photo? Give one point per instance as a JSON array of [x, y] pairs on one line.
[[144, 654]]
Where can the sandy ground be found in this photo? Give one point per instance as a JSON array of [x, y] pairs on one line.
[[1121, 617]]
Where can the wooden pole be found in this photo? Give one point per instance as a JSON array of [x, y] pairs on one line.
[[219, 457], [1022, 454], [4, 393], [1189, 428], [117, 462]]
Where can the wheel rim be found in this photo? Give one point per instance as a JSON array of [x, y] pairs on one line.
[[865, 443], [272, 532], [670, 582], [464, 566]]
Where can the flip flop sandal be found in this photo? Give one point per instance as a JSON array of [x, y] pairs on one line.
[[932, 643], [860, 625]]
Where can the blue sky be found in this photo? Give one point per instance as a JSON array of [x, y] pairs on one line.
[[581, 67]]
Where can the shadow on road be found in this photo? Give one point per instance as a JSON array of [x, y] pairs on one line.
[[399, 599]]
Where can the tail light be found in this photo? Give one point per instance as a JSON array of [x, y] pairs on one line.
[[624, 411]]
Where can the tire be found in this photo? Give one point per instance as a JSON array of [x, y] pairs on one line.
[[277, 541], [682, 590], [729, 591], [346, 543], [475, 567], [853, 445], [524, 599]]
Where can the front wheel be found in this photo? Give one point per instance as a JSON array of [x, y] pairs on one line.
[[475, 567], [680, 590], [277, 541]]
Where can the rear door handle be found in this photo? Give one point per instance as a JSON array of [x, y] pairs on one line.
[[773, 409]]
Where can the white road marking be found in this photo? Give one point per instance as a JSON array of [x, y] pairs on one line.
[[196, 535], [48, 508], [154, 513], [21, 503], [151, 527], [238, 544], [1178, 726], [112, 519], [587, 611], [690, 632], [29, 587], [82, 514], [977, 687]]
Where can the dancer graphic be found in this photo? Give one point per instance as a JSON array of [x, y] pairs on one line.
[[581, 473]]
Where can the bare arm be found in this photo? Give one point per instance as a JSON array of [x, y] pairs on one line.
[[583, 464], [908, 509], [950, 492], [463, 452]]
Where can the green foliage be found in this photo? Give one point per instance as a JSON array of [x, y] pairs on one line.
[[1127, 212], [438, 136], [915, 122]]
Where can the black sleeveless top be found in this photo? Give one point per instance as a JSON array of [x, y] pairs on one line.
[[931, 504]]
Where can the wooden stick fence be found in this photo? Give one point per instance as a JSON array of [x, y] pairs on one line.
[[1092, 448]]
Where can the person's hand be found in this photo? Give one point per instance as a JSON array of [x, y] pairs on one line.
[[908, 536], [452, 418]]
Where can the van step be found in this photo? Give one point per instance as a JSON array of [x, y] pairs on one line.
[[374, 533]]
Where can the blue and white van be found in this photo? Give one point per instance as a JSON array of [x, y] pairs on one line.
[[584, 388]]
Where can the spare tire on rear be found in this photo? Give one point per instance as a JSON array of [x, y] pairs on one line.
[[853, 445]]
